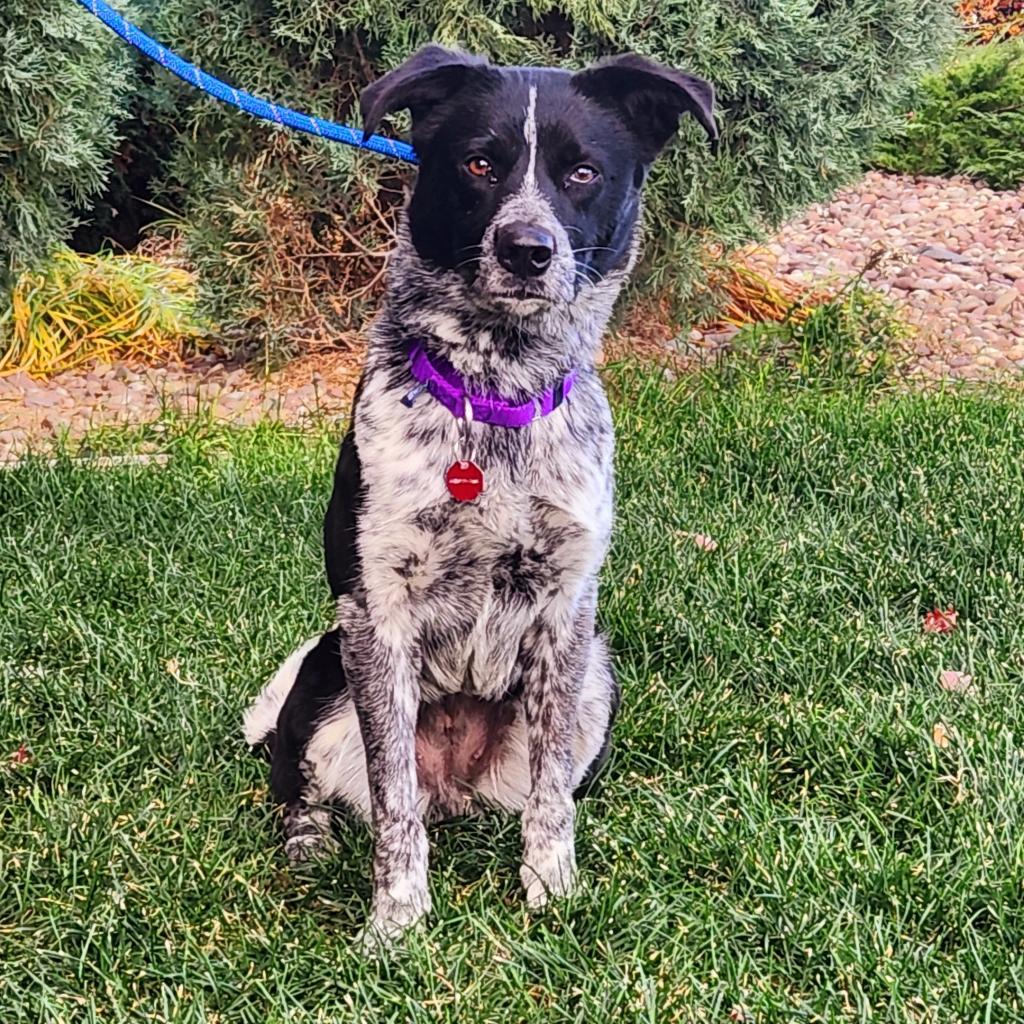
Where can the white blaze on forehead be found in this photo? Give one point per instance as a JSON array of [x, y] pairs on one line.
[[530, 134]]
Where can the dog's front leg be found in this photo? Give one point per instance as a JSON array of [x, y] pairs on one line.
[[554, 661], [384, 680]]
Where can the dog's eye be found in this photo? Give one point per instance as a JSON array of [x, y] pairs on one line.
[[480, 167], [583, 175]]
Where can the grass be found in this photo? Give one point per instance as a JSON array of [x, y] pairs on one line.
[[780, 838]]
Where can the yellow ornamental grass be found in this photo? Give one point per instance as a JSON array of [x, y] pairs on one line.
[[750, 297], [85, 308]]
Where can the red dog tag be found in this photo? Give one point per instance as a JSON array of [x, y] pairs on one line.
[[464, 480]]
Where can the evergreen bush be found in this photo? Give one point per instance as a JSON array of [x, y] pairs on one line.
[[62, 84], [966, 119], [804, 87]]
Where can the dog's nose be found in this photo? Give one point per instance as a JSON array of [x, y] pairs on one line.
[[523, 249]]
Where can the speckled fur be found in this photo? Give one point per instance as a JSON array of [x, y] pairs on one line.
[[487, 596], [471, 674]]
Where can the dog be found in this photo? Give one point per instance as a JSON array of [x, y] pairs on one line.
[[472, 503]]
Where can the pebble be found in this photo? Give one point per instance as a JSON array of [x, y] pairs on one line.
[[1004, 300], [961, 271], [42, 399], [940, 254]]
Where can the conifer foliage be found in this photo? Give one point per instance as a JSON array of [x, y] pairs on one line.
[[62, 84], [804, 88]]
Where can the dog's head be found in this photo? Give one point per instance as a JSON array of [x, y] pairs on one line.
[[530, 178]]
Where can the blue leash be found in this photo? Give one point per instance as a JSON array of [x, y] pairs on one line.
[[244, 100]]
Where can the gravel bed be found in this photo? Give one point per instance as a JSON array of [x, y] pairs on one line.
[[957, 271]]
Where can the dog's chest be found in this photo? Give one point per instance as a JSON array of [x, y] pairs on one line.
[[469, 580], [479, 585]]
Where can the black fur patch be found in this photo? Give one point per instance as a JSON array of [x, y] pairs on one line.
[[318, 685], [340, 523]]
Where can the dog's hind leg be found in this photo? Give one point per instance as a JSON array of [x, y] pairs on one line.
[[317, 750]]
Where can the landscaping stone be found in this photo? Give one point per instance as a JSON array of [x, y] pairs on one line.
[[32, 411], [959, 267]]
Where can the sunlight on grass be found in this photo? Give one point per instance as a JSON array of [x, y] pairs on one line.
[[780, 834]]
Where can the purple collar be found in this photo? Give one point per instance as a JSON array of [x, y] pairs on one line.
[[445, 383]]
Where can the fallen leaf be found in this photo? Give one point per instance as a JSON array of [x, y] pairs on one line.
[[956, 682], [21, 755], [939, 621], [703, 541], [940, 735], [739, 1014], [172, 666]]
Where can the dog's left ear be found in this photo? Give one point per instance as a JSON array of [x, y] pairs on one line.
[[430, 76], [650, 98]]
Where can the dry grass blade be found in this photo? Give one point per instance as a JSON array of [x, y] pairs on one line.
[[752, 297], [84, 308]]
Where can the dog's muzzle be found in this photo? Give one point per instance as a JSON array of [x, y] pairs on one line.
[[527, 261]]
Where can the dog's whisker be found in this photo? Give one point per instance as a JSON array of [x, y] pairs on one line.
[[590, 274]]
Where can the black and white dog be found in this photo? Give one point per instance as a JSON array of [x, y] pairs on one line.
[[472, 501]]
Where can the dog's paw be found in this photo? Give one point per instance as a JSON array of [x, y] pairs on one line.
[[309, 846], [548, 872], [391, 919]]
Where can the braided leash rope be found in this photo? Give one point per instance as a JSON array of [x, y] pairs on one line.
[[261, 108]]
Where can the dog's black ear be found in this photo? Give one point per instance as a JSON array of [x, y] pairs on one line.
[[430, 76], [650, 98]]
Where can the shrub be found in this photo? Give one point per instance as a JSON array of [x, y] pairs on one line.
[[803, 89], [62, 84], [82, 308], [967, 119], [850, 340]]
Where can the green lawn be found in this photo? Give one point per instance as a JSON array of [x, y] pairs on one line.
[[778, 830]]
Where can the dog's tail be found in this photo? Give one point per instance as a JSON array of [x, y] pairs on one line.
[[259, 723]]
